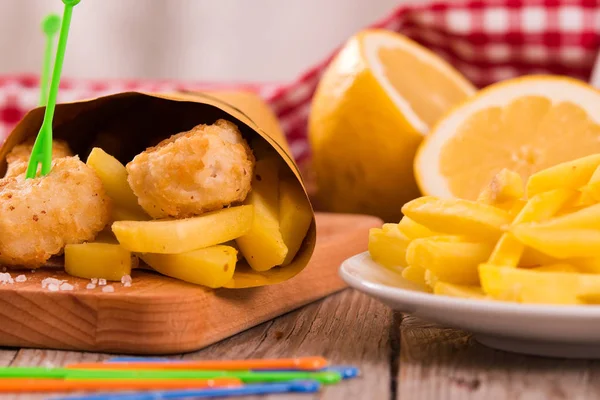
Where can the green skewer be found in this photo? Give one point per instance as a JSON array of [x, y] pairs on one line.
[[328, 377], [42, 149], [50, 27]]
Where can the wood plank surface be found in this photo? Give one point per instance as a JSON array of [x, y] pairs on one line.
[[160, 315]]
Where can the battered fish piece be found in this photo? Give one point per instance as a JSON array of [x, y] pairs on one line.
[[18, 158], [39, 216], [204, 169]]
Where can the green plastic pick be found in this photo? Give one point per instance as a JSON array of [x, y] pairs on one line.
[[327, 377], [50, 27], [42, 148]]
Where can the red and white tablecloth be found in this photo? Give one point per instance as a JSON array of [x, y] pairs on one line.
[[488, 40]]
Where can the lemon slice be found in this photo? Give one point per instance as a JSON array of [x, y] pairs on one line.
[[377, 99], [524, 124]]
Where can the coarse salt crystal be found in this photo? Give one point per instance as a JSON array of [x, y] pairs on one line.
[[66, 286], [90, 286], [94, 281], [126, 280], [33, 271], [51, 281], [6, 278], [127, 284], [108, 289], [101, 282], [21, 278], [53, 287]]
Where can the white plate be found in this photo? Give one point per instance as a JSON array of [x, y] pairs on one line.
[[545, 330]]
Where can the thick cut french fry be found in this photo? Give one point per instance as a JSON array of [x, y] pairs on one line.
[[506, 187], [587, 265], [183, 235], [263, 246], [449, 258], [97, 260], [415, 275], [431, 279], [585, 218], [556, 268], [458, 217], [462, 291], [569, 175], [114, 179], [387, 246], [413, 230], [212, 266], [527, 286], [559, 243], [295, 217], [508, 250]]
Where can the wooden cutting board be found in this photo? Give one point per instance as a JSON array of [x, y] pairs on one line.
[[160, 315]]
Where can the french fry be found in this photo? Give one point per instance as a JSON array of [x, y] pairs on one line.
[[462, 291], [588, 265], [387, 246], [569, 175], [295, 217], [559, 243], [415, 275], [449, 258], [413, 230], [508, 250], [458, 217], [527, 286], [430, 278], [97, 260], [506, 187], [585, 218]]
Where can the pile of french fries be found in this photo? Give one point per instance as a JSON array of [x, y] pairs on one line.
[[533, 243]]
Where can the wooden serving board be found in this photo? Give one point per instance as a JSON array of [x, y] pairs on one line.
[[160, 315]]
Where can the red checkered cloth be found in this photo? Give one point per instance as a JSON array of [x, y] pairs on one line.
[[487, 40]]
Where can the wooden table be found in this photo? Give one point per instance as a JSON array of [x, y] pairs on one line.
[[400, 357]]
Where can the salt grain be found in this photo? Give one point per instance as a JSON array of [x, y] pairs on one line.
[[101, 282], [126, 280], [53, 287], [108, 289], [51, 281], [33, 271], [94, 281], [90, 286], [6, 278], [21, 278], [66, 286]]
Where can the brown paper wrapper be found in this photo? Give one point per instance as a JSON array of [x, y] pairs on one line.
[[125, 124]]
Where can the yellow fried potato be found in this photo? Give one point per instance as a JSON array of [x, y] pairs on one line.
[[415, 275], [263, 246], [587, 265], [183, 235], [506, 187], [462, 291], [508, 250], [295, 217], [430, 278], [457, 216], [559, 243], [527, 286], [569, 175], [212, 266], [413, 230], [114, 179], [125, 214], [97, 260], [556, 268], [585, 218], [449, 258], [387, 246]]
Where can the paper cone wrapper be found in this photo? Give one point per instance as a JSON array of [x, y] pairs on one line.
[[125, 124]]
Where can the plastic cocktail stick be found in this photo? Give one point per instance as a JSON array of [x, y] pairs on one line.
[[42, 149], [50, 27], [302, 363], [300, 386]]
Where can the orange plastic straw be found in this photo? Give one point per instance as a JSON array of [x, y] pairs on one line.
[[57, 385], [303, 363]]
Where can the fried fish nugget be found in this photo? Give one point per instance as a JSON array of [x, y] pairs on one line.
[[39, 216], [204, 169], [18, 158]]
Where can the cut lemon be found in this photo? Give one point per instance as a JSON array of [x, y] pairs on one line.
[[525, 124], [377, 99]]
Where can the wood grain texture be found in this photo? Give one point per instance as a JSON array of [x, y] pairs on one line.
[[442, 363], [160, 315]]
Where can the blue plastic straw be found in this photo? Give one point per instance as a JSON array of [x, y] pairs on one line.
[[297, 387]]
